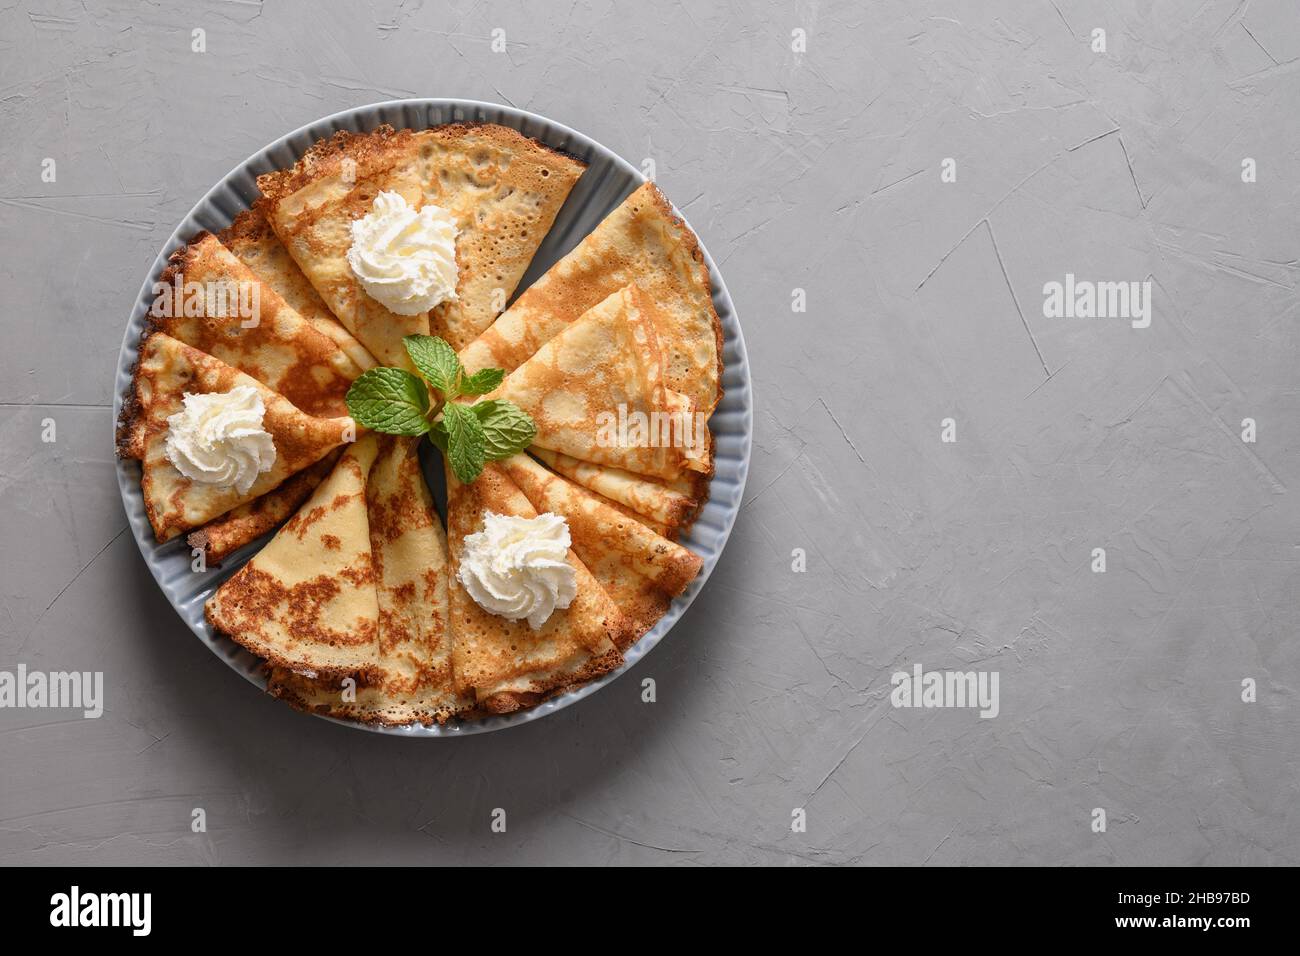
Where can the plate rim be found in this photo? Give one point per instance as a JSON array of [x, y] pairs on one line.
[[738, 399]]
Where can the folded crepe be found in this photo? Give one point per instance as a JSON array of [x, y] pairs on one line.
[[640, 570], [307, 601], [503, 189], [255, 244], [214, 302], [596, 392], [667, 509], [413, 658], [227, 534], [312, 206], [252, 241], [641, 241], [165, 372], [506, 664]]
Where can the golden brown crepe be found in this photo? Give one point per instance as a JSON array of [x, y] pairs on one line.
[[409, 553], [251, 240], [506, 664], [220, 538], [167, 369], [664, 506], [255, 244], [640, 570], [641, 241], [307, 601], [215, 303], [596, 392], [312, 206], [503, 189]]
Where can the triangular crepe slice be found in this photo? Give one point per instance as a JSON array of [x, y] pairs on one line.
[[312, 206], [220, 538], [255, 244], [409, 550], [504, 191], [506, 663], [307, 601], [663, 506], [166, 370], [214, 302], [641, 241], [596, 392], [640, 570]]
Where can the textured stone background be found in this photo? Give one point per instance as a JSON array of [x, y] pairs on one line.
[[818, 170]]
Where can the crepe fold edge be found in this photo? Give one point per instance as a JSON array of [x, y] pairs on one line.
[[641, 570], [587, 634], [309, 438], [259, 611]]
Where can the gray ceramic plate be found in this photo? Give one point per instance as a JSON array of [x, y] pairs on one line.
[[607, 181]]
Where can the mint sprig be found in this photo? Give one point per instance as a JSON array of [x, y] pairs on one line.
[[396, 402]]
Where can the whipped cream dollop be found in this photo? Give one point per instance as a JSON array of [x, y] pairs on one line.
[[404, 259], [218, 438], [519, 567]]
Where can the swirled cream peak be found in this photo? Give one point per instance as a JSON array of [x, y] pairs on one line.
[[519, 567], [405, 259], [218, 439]]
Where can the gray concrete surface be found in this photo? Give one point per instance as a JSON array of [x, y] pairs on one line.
[[820, 170]]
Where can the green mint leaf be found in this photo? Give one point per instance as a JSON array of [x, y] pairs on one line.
[[465, 444], [435, 360], [507, 429], [482, 381], [389, 400]]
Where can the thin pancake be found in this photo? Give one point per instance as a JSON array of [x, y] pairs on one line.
[[667, 507], [505, 663], [255, 244], [596, 392], [215, 303], [409, 551], [640, 570], [307, 601], [165, 371], [504, 190], [641, 241], [312, 206], [220, 538]]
